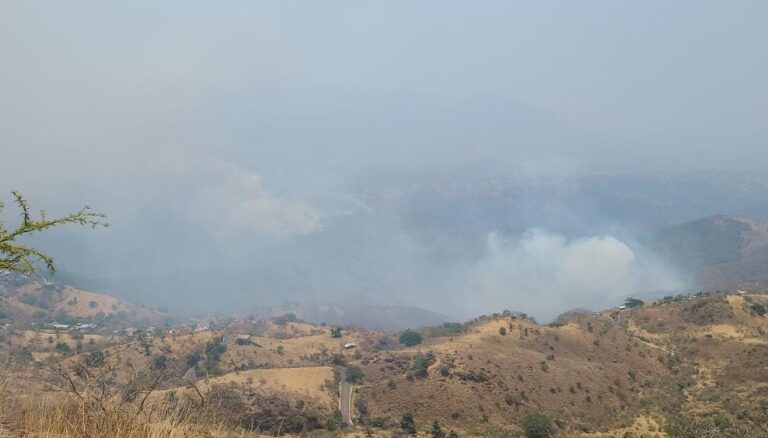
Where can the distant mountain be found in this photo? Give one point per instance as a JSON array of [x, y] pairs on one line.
[[371, 317], [719, 251], [28, 297]]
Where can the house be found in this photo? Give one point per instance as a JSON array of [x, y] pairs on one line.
[[622, 307]]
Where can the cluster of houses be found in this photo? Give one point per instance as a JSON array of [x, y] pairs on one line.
[[83, 327]]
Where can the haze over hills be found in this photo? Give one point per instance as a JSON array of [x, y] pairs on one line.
[[371, 317], [399, 234], [719, 251], [388, 219]]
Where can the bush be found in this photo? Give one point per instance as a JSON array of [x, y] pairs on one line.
[[192, 359], [437, 431], [159, 362], [537, 426], [421, 365], [63, 347], [758, 309], [285, 319], [407, 423], [338, 359], [410, 338], [502, 331], [354, 375], [362, 406], [94, 359], [28, 299], [336, 332]]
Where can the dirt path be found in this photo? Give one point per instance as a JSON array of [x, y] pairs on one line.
[[345, 400]]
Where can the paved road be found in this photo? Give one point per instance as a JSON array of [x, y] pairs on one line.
[[345, 400]]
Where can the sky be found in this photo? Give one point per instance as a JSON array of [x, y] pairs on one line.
[[228, 138]]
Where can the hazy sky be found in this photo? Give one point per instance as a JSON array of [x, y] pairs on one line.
[[215, 133]]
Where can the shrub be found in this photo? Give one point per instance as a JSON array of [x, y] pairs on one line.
[[159, 362], [94, 359], [362, 406], [437, 431], [410, 338], [407, 423], [285, 319], [192, 359], [354, 375], [336, 332], [502, 331], [421, 365], [28, 299], [338, 359], [537, 426], [758, 309], [63, 347]]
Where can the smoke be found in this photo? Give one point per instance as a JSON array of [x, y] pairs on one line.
[[544, 274]]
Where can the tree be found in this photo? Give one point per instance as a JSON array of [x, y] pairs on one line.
[[453, 434], [410, 338], [437, 431], [633, 302], [502, 331], [336, 332], [21, 258], [537, 426]]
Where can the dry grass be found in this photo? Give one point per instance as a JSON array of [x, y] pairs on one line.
[[304, 382], [60, 416]]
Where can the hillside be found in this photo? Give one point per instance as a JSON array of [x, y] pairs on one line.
[[25, 298], [697, 362], [719, 252]]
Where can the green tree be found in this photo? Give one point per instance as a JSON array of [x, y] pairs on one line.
[[410, 338], [336, 332], [537, 426], [502, 331], [453, 434], [21, 258], [633, 302]]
